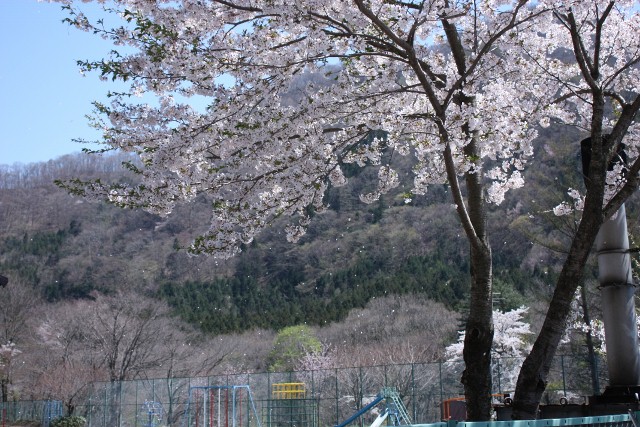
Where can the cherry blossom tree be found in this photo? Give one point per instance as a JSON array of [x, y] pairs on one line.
[[8, 354], [510, 345], [597, 92], [260, 104], [17, 307]]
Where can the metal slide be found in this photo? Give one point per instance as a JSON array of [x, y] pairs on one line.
[[362, 411], [378, 422], [395, 408]]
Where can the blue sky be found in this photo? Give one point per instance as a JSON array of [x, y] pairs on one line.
[[43, 97]]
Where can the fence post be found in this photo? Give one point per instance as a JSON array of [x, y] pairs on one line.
[[385, 375], [90, 407], [413, 392], [564, 382], [337, 401], [137, 406], [360, 404], [104, 407], [441, 390], [120, 403]]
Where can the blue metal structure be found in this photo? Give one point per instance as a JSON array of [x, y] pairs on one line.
[[395, 409], [362, 411], [151, 413]]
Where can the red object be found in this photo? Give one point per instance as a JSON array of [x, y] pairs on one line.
[[226, 408], [211, 409], [197, 409]]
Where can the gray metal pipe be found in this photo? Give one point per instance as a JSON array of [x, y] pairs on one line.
[[618, 302]]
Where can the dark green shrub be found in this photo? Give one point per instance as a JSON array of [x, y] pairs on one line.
[[69, 421]]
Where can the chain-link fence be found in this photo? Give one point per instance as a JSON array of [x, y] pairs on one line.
[[22, 412], [330, 396]]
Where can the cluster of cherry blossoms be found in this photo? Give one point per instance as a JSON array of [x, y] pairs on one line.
[[8, 352], [260, 104]]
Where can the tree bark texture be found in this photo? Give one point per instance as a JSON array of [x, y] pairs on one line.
[[479, 328], [479, 338]]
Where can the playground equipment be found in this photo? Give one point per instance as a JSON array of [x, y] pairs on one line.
[[221, 406], [151, 413], [290, 407], [394, 410]]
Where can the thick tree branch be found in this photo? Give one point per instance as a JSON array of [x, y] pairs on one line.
[[458, 198], [629, 113], [598, 40], [381, 25], [581, 54]]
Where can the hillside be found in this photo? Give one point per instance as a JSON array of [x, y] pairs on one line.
[[67, 248]]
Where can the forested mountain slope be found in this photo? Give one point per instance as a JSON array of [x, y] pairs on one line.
[[67, 247]]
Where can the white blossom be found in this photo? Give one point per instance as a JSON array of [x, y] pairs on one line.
[[565, 208], [8, 352]]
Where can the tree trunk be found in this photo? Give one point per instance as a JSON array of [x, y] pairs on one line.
[[532, 380], [479, 337], [479, 328], [4, 389]]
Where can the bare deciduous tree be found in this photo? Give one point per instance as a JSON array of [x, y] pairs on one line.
[[17, 301]]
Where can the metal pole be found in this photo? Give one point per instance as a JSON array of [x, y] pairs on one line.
[[104, 408], [337, 407], [564, 382], [219, 406], [119, 403], [360, 403], [233, 407], [616, 282], [593, 363], [618, 302], [90, 411], [136, 418], [413, 391], [441, 391]]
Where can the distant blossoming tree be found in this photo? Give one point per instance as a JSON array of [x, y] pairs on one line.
[[510, 345], [8, 354]]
